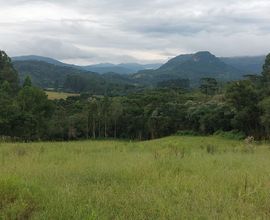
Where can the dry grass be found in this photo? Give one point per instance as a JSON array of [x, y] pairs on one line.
[[59, 95]]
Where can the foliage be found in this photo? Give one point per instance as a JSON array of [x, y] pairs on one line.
[[8, 73], [243, 98], [233, 134], [112, 107], [209, 86], [266, 69], [71, 79], [192, 67]]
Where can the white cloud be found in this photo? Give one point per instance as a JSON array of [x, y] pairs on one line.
[[117, 31]]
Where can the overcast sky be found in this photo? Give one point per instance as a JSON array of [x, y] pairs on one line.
[[145, 31]]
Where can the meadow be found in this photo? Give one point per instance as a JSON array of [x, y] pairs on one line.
[[171, 178], [59, 95]]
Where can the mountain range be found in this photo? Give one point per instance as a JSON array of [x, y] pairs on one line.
[[123, 68], [48, 73]]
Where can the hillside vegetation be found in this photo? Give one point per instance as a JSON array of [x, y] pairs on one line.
[[171, 178], [193, 67], [125, 78], [119, 110]]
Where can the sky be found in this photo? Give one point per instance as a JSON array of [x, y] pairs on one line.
[[144, 31]]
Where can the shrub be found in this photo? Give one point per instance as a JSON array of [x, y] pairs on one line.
[[234, 134], [187, 133]]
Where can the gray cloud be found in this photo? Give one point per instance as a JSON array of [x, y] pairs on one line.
[[117, 31]]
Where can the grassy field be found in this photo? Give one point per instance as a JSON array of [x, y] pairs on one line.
[[59, 95], [170, 178]]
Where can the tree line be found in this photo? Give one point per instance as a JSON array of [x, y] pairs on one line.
[[240, 106]]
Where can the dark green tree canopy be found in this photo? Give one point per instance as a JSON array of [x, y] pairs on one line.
[[209, 86], [7, 72], [266, 69], [27, 81]]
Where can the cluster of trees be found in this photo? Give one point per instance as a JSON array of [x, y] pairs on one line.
[[26, 113]]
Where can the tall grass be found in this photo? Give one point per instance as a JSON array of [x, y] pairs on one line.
[[171, 178]]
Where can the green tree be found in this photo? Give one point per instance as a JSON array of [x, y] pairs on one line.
[[35, 110], [266, 69], [8, 73], [243, 98], [116, 112], [93, 113], [209, 86], [7, 110], [106, 114], [265, 117], [27, 81]]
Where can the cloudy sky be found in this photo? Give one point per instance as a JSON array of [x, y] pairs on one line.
[[145, 31]]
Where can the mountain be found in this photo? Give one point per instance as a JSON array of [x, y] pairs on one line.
[[100, 68], [44, 74], [123, 68], [247, 65], [44, 59], [135, 67], [191, 66], [47, 75], [50, 73], [38, 58]]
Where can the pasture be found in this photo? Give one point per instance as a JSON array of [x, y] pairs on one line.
[[59, 95], [171, 178]]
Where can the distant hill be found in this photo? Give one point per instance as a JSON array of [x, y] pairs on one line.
[[65, 78], [192, 67], [100, 68], [46, 75], [124, 68], [247, 65], [44, 59], [47, 72]]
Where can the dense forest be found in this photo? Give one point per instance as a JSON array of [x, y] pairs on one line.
[[238, 108]]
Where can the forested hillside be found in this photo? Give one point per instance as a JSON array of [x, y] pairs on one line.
[[123, 68], [240, 108], [183, 71], [192, 67], [65, 78]]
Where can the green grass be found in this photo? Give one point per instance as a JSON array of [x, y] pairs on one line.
[[59, 95], [170, 178]]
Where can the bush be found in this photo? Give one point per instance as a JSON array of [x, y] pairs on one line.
[[187, 133], [234, 134]]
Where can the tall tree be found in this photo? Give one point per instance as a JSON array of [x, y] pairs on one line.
[[209, 86], [266, 69], [106, 114], [27, 81], [116, 112], [243, 99], [35, 112], [8, 73]]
